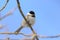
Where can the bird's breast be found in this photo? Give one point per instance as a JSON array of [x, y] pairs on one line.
[[31, 20]]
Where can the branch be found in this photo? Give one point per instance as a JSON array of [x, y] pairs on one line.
[[19, 7], [4, 5], [8, 13], [56, 36], [15, 33], [2, 25], [11, 39], [32, 35], [16, 39]]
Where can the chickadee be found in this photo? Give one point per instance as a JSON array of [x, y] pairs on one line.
[[30, 18]]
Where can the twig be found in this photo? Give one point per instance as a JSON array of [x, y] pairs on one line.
[[19, 7], [10, 39], [4, 5], [8, 13], [15, 33], [1, 26], [56, 36], [32, 35]]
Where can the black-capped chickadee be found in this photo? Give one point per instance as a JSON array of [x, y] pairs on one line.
[[30, 18]]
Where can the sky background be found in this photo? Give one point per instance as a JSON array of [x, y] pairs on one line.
[[47, 17]]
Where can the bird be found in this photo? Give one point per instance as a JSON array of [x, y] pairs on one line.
[[30, 18]]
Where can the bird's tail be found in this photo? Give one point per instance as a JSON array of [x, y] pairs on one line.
[[18, 30]]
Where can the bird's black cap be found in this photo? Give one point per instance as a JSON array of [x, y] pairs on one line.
[[31, 12]]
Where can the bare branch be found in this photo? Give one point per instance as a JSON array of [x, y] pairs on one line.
[[27, 39], [1, 26], [10, 39], [50, 36], [31, 35], [8, 13], [15, 33], [19, 7], [17, 39], [4, 5]]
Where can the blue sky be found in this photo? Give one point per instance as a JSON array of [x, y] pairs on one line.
[[47, 17]]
